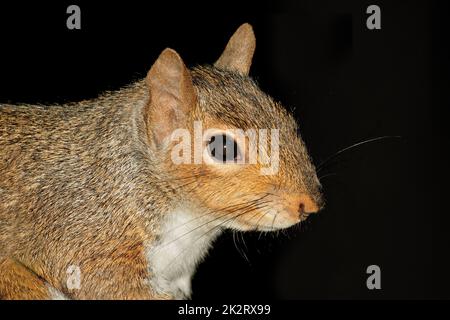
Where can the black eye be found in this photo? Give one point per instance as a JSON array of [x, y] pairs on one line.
[[223, 148]]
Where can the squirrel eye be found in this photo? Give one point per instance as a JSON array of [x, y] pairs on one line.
[[224, 149]]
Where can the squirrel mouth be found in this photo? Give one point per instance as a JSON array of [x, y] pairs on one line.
[[303, 216]]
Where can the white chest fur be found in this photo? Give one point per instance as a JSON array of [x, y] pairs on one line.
[[184, 241]]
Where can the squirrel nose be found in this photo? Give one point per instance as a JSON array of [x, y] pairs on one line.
[[307, 205]]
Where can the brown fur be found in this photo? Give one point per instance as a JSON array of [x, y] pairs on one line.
[[18, 282], [88, 183]]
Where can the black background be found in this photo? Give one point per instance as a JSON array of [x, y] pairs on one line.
[[385, 200]]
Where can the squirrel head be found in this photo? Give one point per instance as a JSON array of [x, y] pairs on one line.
[[225, 146]]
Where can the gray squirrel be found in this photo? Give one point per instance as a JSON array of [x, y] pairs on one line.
[[93, 205]]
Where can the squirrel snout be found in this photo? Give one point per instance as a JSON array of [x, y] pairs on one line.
[[300, 205], [307, 205]]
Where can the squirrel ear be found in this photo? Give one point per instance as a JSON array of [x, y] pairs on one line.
[[172, 94], [238, 53]]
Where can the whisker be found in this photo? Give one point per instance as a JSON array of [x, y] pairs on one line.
[[238, 205], [273, 221], [208, 222], [259, 220], [327, 175], [336, 154], [241, 252], [210, 230], [243, 241]]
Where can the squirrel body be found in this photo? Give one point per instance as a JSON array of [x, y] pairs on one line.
[[89, 187]]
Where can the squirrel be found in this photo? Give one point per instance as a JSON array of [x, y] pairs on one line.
[[90, 186]]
